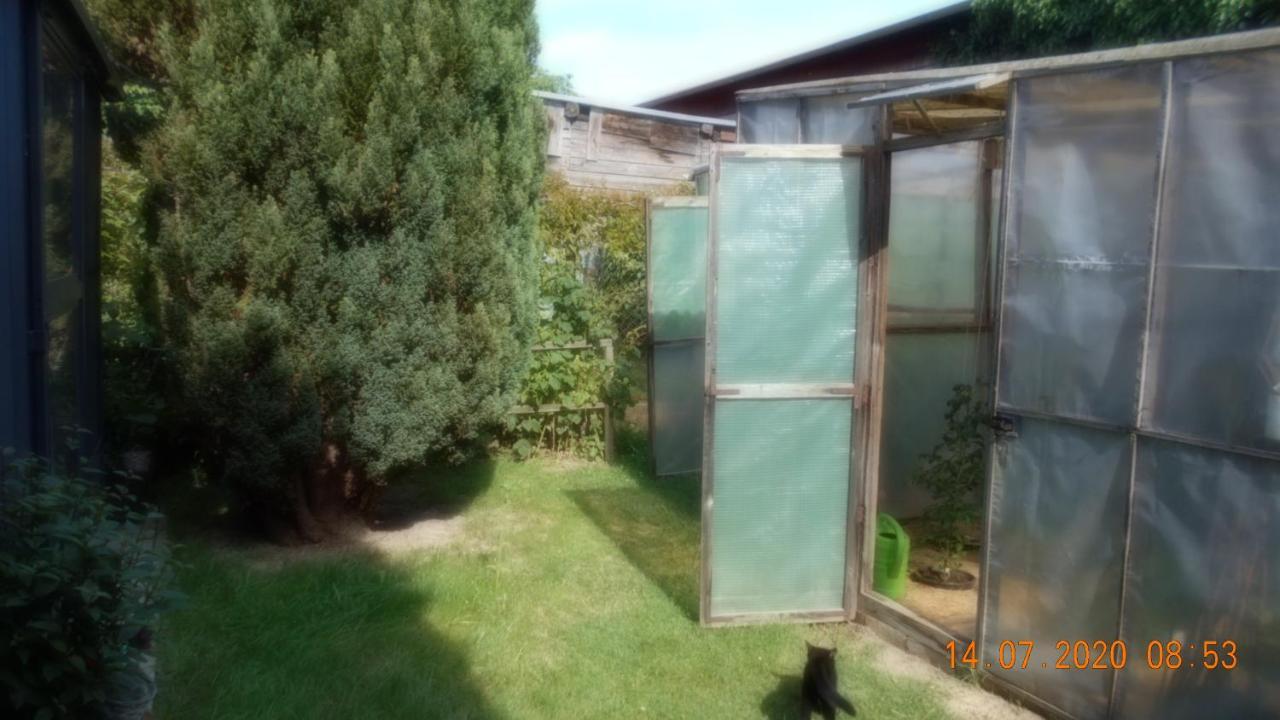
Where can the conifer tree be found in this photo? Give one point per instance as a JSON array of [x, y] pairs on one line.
[[347, 253]]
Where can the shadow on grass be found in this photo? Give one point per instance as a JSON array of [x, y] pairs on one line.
[[783, 703], [332, 631], [655, 524], [432, 492], [344, 638], [681, 493], [207, 510]]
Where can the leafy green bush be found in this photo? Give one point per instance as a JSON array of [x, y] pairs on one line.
[[592, 287], [572, 378], [598, 237], [347, 250], [132, 363], [953, 474], [83, 570]]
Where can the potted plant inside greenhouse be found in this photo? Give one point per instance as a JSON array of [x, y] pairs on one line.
[[952, 474]]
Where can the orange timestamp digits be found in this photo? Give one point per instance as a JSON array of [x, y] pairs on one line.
[[1100, 655], [1212, 655]]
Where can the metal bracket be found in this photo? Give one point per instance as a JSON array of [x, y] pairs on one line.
[[1004, 426]]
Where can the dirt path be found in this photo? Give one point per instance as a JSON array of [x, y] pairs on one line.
[[965, 701]]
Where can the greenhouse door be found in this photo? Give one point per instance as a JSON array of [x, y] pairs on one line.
[[782, 416], [677, 275]]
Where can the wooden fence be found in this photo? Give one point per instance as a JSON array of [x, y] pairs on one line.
[[554, 410]]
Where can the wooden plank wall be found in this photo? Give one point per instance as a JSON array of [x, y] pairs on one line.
[[610, 149]]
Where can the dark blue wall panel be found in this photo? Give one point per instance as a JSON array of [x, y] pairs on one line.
[[16, 99]]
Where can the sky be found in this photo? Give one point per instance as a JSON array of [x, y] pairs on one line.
[[629, 52]]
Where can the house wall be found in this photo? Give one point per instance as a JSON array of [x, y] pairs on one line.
[[15, 352], [609, 148], [49, 315]]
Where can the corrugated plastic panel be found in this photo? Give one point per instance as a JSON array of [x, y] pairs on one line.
[[1215, 372], [1084, 162], [769, 121], [781, 488], [786, 288], [787, 275], [677, 407], [678, 265], [1202, 569], [1060, 495]]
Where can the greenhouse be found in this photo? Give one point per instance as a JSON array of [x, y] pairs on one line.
[[1017, 323]]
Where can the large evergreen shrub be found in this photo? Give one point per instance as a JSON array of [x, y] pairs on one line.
[[348, 251]]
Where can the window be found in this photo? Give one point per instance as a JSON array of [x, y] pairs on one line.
[[63, 204]]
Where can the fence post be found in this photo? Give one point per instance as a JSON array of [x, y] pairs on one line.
[[607, 344]]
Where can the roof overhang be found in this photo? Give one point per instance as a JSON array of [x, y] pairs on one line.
[[850, 42], [640, 111], [967, 84], [972, 101], [1153, 52]]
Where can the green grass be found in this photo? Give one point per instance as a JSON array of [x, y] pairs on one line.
[[572, 594]]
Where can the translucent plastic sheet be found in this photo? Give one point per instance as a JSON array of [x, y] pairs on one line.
[[933, 223], [1060, 495], [787, 269], [781, 489], [827, 120], [677, 407], [769, 121], [786, 287], [702, 182], [821, 120], [1084, 163], [920, 372], [1202, 568], [1072, 339], [678, 265], [678, 280], [935, 275], [1215, 369]]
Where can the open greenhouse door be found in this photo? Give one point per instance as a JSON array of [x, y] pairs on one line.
[[783, 414], [676, 258]]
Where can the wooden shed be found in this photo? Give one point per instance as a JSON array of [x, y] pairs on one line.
[[632, 149]]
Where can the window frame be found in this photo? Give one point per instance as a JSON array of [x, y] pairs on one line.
[[74, 294]]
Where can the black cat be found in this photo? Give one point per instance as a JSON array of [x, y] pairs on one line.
[[819, 690]]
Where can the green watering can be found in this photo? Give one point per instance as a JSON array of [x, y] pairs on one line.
[[889, 577]]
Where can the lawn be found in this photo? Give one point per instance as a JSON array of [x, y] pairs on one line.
[[565, 590]]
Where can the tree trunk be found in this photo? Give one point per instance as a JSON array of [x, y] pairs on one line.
[[308, 528], [326, 486]]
